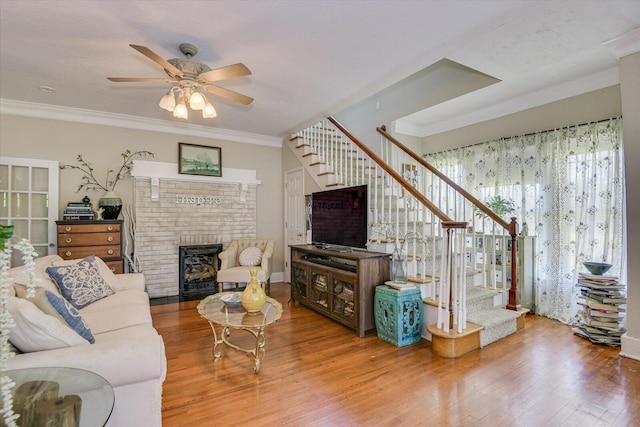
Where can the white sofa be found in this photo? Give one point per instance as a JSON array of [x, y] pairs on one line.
[[128, 352]]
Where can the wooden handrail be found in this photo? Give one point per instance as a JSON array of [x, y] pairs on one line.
[[512, 227], [414, 192], [507, 226]]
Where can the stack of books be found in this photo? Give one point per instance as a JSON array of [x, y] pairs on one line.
[[602, 311], [77, 211]]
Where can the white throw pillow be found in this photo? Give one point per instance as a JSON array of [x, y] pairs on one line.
[[250, 257], [36, 331], [56, 306]]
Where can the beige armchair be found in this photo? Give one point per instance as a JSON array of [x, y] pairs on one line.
[[231, 269]]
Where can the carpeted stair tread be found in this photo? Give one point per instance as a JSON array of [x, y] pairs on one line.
[[492, 316], [475, 293], [497, 323]]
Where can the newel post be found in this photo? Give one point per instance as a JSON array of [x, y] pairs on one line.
[[513, 291]]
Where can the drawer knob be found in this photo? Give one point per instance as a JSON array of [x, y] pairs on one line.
[[68, 240], [110, 227], [110, 239], [67, 228], [110, 251], [68, 253], [113, 269]]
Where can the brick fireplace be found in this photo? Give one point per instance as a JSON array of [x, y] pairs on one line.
[[173, 210]]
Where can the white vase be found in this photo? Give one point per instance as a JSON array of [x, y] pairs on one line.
[[110, 204]]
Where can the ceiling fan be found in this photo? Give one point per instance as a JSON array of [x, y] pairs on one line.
[[192, 78]]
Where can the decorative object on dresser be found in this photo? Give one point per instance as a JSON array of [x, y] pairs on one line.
[[339, 284], [78, 239], [78, 211], [110, 203]]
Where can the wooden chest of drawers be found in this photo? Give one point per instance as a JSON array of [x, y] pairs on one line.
[[79, 239]]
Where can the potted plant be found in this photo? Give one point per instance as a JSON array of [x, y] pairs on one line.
[[499, 205]]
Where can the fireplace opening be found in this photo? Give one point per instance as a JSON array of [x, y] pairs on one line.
[[198, 273]]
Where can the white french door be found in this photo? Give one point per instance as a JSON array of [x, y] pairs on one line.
[[29, 202], [295, 216]]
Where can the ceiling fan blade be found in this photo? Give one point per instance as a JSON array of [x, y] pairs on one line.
[[229, 94], [139, 79], [156, 58], [223, 73]]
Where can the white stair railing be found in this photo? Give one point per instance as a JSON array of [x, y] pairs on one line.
[[489, 240], [400, 216]]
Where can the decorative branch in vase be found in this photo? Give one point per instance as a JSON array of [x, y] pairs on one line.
[[110, 204]]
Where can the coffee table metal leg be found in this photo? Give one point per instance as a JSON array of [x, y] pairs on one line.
[[216, 354]]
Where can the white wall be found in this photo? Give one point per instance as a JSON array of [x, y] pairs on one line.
[[630, 83], [101, 145]]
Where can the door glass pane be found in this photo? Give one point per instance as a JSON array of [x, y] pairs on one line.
[[4, 177], [20, 229], [4, 204], [19, 205], [20, 178], [40, 181], [39, 232], [39, 205]]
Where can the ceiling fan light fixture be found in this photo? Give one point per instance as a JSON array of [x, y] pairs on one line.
[[208, 112], [197, 101], [168, 102], [181, 110]]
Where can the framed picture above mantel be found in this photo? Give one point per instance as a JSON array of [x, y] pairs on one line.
[[199, 160]]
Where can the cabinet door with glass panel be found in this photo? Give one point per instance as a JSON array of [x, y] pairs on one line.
[[344, 297], [299, 282], [29, 202]]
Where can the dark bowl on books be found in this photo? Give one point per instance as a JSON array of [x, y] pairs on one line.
[[597, 268]]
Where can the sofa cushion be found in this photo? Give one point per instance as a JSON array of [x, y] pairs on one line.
[[58, 307], [36, 331], [120, 310], [42, 279], [80, 283]]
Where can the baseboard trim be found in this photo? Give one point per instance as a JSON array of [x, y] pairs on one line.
[[630, 347]]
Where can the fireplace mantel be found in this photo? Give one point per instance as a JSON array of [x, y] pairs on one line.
[[169, 171]]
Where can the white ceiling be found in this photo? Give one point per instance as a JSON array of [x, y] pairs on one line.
[[309, 59]]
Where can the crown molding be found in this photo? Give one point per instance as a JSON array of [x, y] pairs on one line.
[[70, 114], [626, 44]]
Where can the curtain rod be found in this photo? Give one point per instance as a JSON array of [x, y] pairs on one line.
[[526, 134]]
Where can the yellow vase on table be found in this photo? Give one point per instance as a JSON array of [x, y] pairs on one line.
[[253, 297]]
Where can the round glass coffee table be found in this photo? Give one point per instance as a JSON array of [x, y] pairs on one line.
[[46, 395], [229, 318]]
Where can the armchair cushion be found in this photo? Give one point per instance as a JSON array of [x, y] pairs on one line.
[[250, 257]]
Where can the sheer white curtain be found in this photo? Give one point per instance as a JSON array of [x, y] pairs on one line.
[[568, 187]]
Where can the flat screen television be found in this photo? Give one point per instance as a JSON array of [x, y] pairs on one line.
[[339, 217]]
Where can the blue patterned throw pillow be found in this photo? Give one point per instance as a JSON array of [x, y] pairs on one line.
[[53, 305], [80, 283]]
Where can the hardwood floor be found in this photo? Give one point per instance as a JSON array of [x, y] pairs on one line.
[[316, 372]]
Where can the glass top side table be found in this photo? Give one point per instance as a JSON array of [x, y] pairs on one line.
[[218, 313], [61, 392]]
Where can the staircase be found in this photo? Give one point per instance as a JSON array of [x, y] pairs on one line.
[[471, 312]]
